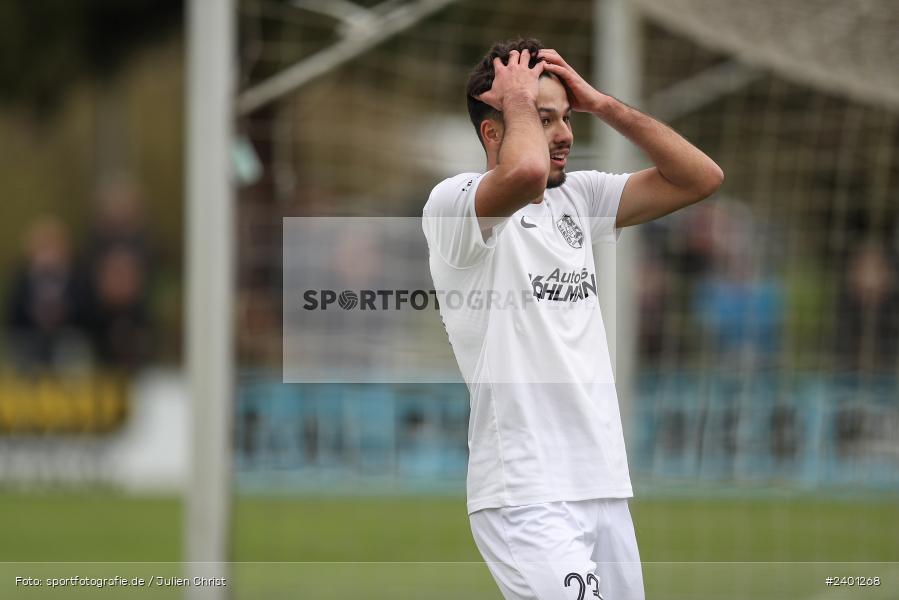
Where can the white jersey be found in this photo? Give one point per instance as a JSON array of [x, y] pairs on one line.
[[521, 313]]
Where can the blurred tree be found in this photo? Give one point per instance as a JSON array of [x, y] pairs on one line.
[[45, 45]]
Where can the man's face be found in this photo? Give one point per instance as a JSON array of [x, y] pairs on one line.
[[555, 112]]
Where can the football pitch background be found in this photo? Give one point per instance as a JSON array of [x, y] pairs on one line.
[[799, 103], [421, 547]]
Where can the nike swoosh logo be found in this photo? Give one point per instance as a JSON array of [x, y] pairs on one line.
[[527, 225]]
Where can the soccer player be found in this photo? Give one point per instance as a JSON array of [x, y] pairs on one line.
[[511, 254]]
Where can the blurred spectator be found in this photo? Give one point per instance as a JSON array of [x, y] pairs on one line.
[[868, 323], [43, 307], [739, 309], [701, 239], [653, 289], [117, 266]]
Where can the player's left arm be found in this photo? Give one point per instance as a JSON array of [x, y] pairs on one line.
[[682, 174]]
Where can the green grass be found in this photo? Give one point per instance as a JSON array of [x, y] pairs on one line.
[[396, 547], [415, 529], [88, 527]]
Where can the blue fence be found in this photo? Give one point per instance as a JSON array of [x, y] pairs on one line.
[[805, 431]]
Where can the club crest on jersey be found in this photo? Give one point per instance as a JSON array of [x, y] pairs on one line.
[[570, 231]]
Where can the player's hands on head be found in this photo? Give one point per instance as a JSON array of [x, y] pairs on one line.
[[581, 95], [515, 78]]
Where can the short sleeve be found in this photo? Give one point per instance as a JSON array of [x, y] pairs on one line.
[[603, 195], [450, 223]]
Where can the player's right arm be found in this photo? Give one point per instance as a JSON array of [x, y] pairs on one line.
[[523, 164]]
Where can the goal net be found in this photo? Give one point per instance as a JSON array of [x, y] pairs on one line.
[[766, 353]]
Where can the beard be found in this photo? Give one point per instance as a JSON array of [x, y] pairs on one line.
[[556, 180]]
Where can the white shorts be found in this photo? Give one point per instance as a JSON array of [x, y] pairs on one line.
[[561, 550]]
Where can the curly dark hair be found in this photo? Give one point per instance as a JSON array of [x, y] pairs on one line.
[[481, 78]]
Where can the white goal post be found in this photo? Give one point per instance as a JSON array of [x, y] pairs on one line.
[[210, 287]]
